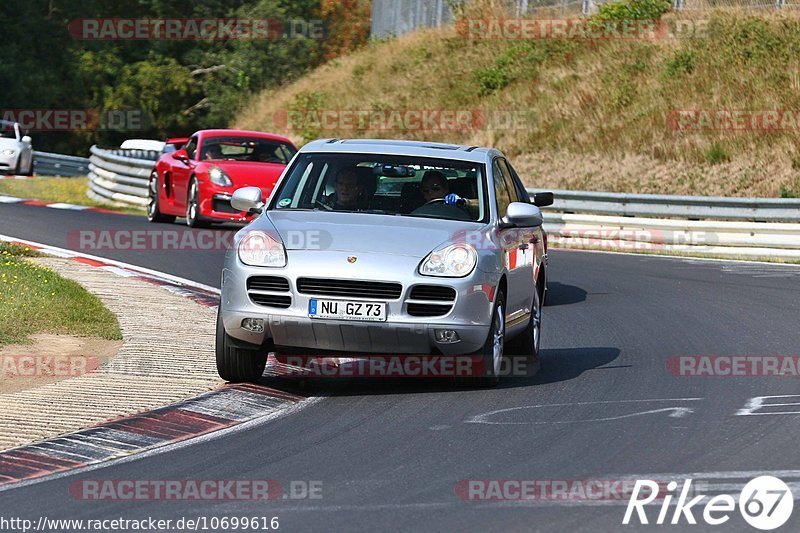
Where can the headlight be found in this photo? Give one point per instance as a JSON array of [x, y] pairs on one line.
[[259, 249], [8, 151], [454, 261], [219, 177]]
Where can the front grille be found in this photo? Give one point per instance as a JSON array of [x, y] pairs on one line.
[[349, 288], [258, 285], [428, 309], [272, 300], [433, 292], [268, 283]]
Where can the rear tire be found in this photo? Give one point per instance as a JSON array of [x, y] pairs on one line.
[[153, 209], [524, 349], [234, 364]]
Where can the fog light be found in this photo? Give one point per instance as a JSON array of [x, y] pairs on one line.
[[254, 325], [446, 335]]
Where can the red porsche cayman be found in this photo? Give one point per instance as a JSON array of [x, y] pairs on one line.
[[196, 176]]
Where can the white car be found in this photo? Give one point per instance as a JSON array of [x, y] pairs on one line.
[[16, 150]]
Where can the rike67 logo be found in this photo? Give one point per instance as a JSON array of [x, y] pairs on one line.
[[765, 503]]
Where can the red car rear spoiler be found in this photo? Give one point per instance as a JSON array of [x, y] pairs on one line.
[[178, 142]]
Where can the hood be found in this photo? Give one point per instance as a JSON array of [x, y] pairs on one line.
[[6, 142], [365, 233]]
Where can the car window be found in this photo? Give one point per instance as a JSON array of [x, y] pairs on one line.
[[8, 130], [513, 192], [518, 192], [238, 148], [500, 190], [385, 184], [191, 147]]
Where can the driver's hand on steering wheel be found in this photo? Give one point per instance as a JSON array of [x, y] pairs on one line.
[[454, 199]]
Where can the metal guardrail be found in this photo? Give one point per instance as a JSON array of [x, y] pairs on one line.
[[48, 164], [684, 207], [120, 175], [729, 227], [762, 240]]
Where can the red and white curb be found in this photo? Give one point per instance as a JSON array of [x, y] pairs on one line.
[[56, 205], [213, 413]]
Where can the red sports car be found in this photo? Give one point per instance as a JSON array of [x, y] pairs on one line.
[[196, 176]]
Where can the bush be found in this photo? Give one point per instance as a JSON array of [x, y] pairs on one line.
[[496, 77], [717, 154], [682, 62], [632, 10]]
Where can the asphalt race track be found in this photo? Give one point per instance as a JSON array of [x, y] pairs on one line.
[[389, 454]]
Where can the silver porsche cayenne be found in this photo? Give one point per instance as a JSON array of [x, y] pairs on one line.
[[375, 247]]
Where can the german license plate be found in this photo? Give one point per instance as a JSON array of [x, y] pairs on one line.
[[347, 310]]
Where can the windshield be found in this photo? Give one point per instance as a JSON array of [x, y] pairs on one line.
[[7, 130], [247, 149], [390, 185]]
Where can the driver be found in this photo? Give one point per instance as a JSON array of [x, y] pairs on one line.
[[434, 185], [347, 189], [213, 151]]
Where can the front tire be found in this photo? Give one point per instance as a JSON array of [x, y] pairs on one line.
[[193, 219], [492, 351], [153, 209], [234, 364]]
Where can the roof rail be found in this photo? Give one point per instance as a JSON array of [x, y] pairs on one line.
[[331, 141], [471, 148]]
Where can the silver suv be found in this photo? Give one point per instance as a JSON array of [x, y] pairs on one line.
[[375, 247]]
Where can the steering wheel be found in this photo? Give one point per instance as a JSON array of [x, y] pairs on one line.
[[325, 206], [434, 201]]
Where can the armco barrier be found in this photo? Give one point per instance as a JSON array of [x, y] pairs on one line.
[[729, 227], [120, 175], [47, 164], [763, 240], [668, 206]]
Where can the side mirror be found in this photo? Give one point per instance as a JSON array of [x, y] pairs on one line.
[[247, 199], [522, 216], [542, 199], [182, 156], [26, 139]]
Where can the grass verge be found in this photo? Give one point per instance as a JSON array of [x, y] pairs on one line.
[[34, 299], [64, 190], [591, 114]]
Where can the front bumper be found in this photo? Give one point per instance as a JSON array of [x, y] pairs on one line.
[[8, 163], [402, 333]]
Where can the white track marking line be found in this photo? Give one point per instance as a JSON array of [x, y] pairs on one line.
[[62, 252], [71, 207]]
